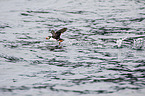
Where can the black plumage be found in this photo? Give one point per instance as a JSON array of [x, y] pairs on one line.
[[56, 35]]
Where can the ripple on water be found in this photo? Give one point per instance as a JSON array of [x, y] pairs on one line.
[[11, 58], [2, 26], [88, 62]]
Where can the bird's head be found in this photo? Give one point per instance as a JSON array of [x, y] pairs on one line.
[[48, 37]]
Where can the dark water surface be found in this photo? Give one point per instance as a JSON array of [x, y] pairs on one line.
[[88, 63]]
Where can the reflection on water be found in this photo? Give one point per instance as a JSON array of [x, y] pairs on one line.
[[103, 51]]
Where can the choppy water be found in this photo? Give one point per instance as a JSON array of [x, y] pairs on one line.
[[89, 62]]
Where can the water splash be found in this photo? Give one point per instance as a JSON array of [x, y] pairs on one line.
[[138, 43]]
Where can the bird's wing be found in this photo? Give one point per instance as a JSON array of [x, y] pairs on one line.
[[53, 33], [58, 33]]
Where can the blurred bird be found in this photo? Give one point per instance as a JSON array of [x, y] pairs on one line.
[[56, 35]]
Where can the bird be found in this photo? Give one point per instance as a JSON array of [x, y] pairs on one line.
[[56, 35]]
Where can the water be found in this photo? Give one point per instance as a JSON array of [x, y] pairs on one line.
[[98, 57]]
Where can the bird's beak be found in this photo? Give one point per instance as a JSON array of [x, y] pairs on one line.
[[47, 37]]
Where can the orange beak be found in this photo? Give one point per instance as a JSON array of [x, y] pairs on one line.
[[47, 37]]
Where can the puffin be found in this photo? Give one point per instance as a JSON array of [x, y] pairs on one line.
[[56, 35]]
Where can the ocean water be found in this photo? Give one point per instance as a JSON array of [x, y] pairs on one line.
[[103, 53]]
